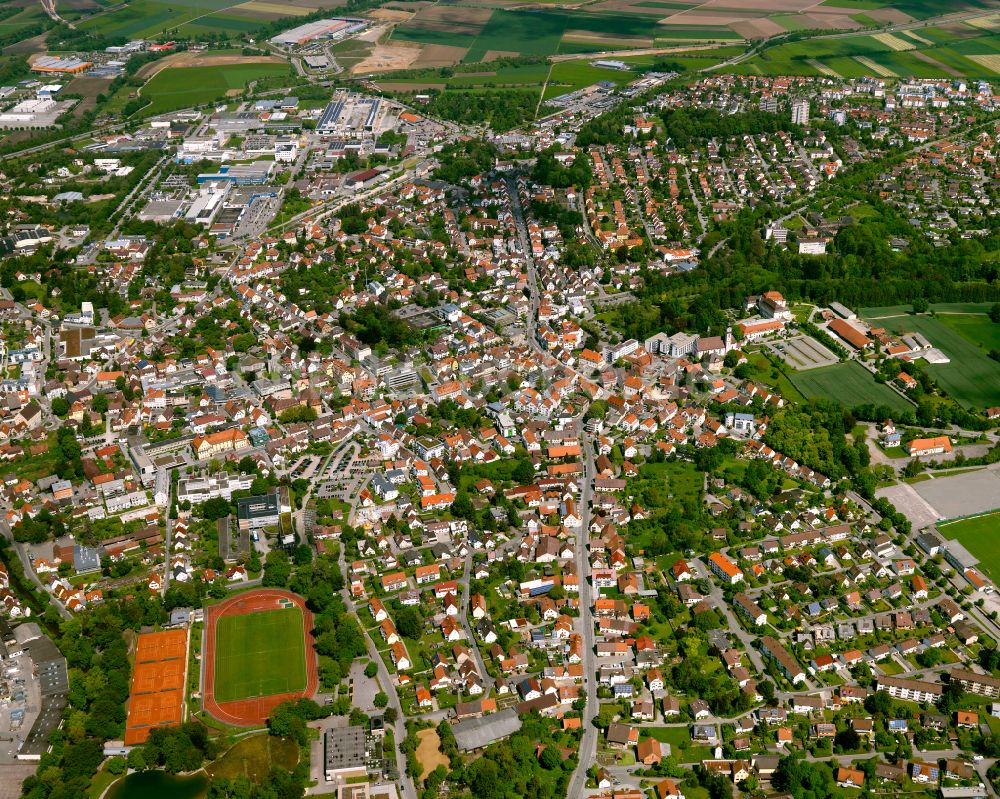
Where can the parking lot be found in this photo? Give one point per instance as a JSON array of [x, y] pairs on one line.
[[19, 708]]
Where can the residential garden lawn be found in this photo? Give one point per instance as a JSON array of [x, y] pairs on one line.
[[260, 654], [183, 87], [979, 535], [675, 736], [849, 384], [971, 378], [254, 757], [890, 667], [660, 483]]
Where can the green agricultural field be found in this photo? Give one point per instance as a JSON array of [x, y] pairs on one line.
[[183, 87], [925, 9], [146, 18], [550, 31], [529, 75], [971, 377], [568, 76], [537, 32], [260, 654], [841, 55], [849, 384], [862, 5], [979, 535], [977, 328], [888, 311]]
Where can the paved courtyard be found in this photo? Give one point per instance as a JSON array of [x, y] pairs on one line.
[[928, 501]]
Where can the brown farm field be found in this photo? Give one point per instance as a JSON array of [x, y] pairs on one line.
[[757, 28], [386, 14], [767, 6], [888, 14], [89, 88], [439, 55]]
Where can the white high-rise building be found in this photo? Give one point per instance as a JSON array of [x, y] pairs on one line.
[[800, 112]]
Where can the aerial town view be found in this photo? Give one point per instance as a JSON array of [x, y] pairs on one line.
[[471, 399]]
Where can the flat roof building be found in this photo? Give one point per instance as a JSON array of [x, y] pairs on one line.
[[260, 511], [345, 753]]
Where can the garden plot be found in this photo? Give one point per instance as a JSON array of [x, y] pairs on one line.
[[803, 352]]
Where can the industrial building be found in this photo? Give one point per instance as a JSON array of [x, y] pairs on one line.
[[335, 29], [352, 116], [240, 174], [65, 66]]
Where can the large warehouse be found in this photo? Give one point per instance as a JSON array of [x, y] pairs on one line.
[[320, 29]]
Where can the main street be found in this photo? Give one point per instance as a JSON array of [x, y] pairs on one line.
[[588, 744], [387, 683]]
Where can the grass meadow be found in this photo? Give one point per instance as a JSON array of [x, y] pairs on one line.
[[849, 384], [183, 87]]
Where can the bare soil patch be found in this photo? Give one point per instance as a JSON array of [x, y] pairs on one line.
[[387, 57], [374, 33], [199, 60], [757, 28], [429, 753]]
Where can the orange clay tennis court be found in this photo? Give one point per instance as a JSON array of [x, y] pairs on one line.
[[157, 695]]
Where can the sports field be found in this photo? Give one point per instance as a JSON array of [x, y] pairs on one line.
[[849, 384], [259, 654], [979, 535], [183, 87], [971, 377]]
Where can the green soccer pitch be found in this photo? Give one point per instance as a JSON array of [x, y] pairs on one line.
[[259, 654]]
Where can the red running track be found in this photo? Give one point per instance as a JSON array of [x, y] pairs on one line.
[[252, 712]]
